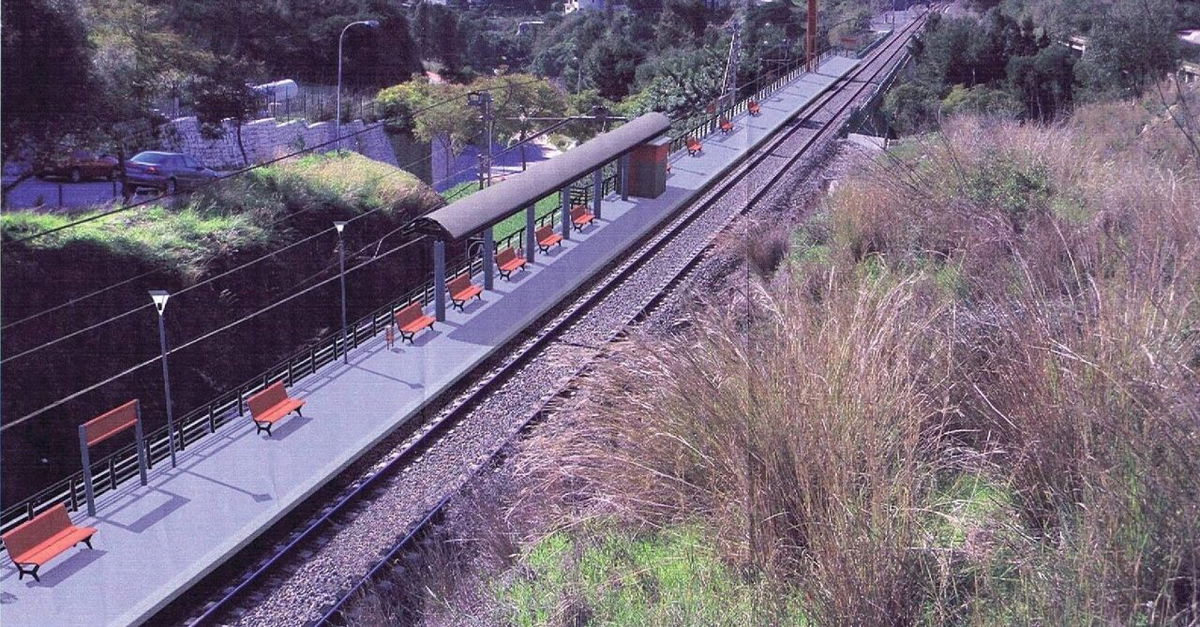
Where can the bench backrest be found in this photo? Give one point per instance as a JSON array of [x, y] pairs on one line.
[[506, 256], [409, 314], [39, 529], [578, 210], [460, 283], [110, 423], [726, 122], [544, 232], [268, 398], [692, 141]]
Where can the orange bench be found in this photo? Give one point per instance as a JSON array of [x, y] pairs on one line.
[[271, 405], [508, 262], [581, 217], [462, 290], [411, 320], [693, 146], [726, 126], [753, 107], [546, 237], [37, 541]]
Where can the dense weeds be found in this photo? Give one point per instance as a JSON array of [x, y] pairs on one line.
[[968, 394]]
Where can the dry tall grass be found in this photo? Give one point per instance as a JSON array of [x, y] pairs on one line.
[[1013, 304]]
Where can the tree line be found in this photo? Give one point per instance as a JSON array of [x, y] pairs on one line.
[[1011, 60]]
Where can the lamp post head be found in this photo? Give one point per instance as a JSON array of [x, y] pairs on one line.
[[372, 23], [339, 225], [160, 299]]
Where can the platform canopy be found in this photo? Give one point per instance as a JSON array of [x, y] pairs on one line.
[[492, 205]]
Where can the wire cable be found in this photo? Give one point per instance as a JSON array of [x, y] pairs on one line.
[[192, 342], [256, 166], [76, 301]]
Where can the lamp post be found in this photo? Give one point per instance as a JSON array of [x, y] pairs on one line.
[[160, 303], [338, 116], [339, 225]]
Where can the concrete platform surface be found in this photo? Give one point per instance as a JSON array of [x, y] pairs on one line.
[[155, 541]]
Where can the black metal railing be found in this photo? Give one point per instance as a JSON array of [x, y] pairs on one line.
[[116, 468]]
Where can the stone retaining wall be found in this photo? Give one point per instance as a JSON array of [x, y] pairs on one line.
[[267, 139]]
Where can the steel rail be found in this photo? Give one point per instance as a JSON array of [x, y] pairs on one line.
[[650, 245], [597, 294]]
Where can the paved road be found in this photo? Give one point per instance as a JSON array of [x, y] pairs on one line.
[[33, 193]]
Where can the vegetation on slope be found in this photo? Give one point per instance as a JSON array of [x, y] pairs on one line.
[[967, 395], [231, 225], [185, 234]]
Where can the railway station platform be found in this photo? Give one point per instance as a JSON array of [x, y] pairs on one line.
[[155, 541]]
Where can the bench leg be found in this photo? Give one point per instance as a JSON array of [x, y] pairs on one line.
[[261, 428], [458, 304], [407, 336], [21, 572], [298, 412], [88, 541]]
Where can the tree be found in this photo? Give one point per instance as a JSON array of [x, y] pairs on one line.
[[517, 96], [911, 107], [44, 40], [681, 24], [445, 116], [680, 84], [612, 66], [1044, 81], [435, 33], [1133, 46], [223, 94], [138, 56]]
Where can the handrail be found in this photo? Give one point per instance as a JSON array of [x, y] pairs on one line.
[[121, 465]]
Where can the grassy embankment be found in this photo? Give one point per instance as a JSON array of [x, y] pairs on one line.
[[969, 395], [172, 245], [241, 212]]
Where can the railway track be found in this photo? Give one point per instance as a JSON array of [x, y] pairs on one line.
[[285, 587]]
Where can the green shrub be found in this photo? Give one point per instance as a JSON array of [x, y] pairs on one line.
[[184, 234], [608, 576]]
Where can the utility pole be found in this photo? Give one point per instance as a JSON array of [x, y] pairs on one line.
[[729, 84], [483, 100]]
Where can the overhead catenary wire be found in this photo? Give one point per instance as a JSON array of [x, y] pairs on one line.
[[376, 257], [341, 137], [201, 338], [191, 287]]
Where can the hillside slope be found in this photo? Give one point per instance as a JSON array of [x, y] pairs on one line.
[[175, 246]]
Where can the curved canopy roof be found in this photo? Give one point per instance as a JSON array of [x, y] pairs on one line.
[[490, 206]]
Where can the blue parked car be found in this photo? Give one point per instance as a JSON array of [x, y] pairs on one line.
[[167, 172]]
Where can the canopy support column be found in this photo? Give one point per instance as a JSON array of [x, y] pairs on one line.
[[565, 195], [439, 280], [597, 190], [623, 174], [530, 239], [489, 259]]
